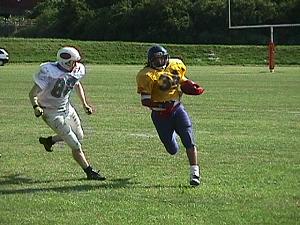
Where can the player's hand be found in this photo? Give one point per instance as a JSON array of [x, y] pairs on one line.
[[88, 109], [38, 111]]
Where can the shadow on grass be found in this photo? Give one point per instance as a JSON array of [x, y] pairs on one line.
[[160, 186], [17, 179]]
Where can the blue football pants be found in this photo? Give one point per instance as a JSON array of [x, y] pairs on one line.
[[178, 122]]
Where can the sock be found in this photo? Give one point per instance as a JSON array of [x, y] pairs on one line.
[[88, 169], [195, 170]]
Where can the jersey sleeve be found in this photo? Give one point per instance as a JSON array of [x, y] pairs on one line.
[[178, 67], [79, 72], [144, 84], [41, 77]]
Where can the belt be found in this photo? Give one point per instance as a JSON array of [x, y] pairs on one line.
[[166, 105]]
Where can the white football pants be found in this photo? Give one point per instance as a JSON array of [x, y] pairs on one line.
[[67, 125]]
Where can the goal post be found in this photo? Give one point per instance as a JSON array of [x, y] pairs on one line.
[[271, 51], [271, 45]]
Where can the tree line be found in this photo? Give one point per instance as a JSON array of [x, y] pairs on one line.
[[164, 21]]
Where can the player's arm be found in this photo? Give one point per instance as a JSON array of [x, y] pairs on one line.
[[145, 85], [81, 94], [38, 111], [147, 101], [187, 86]]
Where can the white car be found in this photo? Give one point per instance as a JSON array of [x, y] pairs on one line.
[[4, 58]]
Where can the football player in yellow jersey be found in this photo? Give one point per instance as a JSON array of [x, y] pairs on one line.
[[161, 84]]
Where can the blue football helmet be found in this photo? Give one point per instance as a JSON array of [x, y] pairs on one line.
[[158, 57]]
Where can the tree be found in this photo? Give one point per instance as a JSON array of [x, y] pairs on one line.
[[170, 21]]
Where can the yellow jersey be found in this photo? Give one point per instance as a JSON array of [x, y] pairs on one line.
[[162, 85]]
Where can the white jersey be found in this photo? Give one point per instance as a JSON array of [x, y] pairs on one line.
[[56, 85]]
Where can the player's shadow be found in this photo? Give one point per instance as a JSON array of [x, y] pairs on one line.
[[160, 186], [15, 179], [31, 185]]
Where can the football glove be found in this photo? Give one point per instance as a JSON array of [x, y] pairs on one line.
[[88, 110], [191, 88], [38, 111]]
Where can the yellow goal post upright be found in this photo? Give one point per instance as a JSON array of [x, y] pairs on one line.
[[271, 46]]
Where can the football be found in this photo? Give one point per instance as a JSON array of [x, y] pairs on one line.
[[165, 81]]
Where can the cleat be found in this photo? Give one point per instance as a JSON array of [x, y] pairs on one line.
[[93, 175], [195, 180], [47, 142]]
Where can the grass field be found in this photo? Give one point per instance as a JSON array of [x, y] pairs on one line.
[[247, 127]]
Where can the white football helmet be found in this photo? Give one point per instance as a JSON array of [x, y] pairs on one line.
[[67, 58]]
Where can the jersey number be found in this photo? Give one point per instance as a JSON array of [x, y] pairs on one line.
[[62, 87]]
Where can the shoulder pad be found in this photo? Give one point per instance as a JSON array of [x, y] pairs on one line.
[[177, 65], [44, 67]]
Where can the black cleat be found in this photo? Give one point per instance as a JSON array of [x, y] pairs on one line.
[[195, 180], [91, 174], [47, 142]]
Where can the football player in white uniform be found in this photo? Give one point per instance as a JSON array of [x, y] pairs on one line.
[[50, 99]]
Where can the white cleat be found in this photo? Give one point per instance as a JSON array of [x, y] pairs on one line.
[[195, 180]]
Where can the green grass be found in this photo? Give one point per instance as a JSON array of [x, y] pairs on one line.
[[247, 128], [38, 50]]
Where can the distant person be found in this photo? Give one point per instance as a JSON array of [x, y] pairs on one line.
[[50, 99], [161, 84]]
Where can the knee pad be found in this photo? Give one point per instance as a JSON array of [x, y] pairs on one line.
[[72, 141], [172, 147], [172, 151], [80, 135]]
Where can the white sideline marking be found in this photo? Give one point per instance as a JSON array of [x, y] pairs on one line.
[[294, 112], [290, 112], [142, 135]]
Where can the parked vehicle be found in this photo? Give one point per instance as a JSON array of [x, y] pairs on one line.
[[4, 58]]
